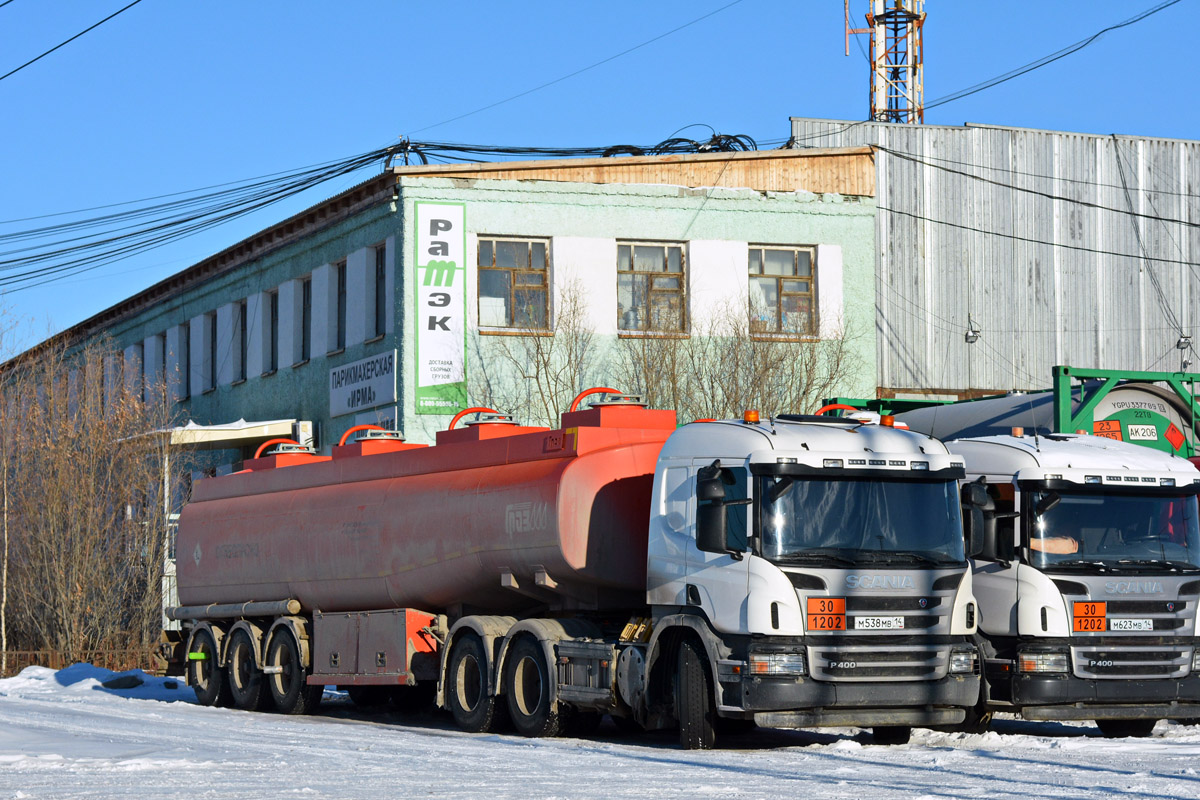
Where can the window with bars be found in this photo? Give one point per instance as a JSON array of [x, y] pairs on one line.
[[783, 290], [273, 344], [514, 283], [651, 287], [306, 319], [243, 349], [380, 290], [339, 271]]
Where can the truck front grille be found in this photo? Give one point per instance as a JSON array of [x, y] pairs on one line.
[[882, 662], [1130, 661]]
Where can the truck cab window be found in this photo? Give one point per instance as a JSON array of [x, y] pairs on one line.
[[737, 517]]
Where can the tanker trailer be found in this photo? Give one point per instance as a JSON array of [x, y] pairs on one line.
[[797, 572]]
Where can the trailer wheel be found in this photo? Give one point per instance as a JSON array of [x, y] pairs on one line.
[[694, 698], [204, 674], [527, 684], [474, 710], [246, 683], [288, 685], [1121, 728], [891, 734]]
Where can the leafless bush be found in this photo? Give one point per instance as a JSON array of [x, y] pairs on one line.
[[723, 368], [537, 373], [87, 476]]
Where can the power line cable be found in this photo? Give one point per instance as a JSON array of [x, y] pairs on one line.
[[1045, 60], [68, 41], [582, 70]]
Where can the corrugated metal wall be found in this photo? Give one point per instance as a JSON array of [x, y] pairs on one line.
[[1039, 237]]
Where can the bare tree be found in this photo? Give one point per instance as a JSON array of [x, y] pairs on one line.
[[88, 503], [539, 372], [729, 364]]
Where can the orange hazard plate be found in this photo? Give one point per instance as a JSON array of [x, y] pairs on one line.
[[1108, 428], [827, 613], [1090, 617]]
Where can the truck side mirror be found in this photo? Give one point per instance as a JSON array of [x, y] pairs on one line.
[[974, 524], [710, 526], [976, 495], [710, 489]]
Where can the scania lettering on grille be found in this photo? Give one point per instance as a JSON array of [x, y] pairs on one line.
[[1133, 587], [879, 582]]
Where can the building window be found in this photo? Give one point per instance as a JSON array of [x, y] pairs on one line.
[[340, 271], [160, 349], [185, 347], [651, 287], [242, 349], [273, 344], [514, 284], [783, 290], [306, 319], [380, 290], [211, 320]]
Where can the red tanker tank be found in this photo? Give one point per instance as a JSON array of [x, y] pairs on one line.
[[496, 517]]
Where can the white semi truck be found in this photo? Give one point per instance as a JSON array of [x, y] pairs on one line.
[[1087, 571], [795, 572]]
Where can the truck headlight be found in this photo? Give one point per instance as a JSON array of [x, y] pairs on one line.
[[1196, 660], [963, 661], [777, 664], [1043, 662]]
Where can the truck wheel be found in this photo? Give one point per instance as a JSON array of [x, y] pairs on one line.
[[891, 734], [1121, 728], [289, 689], [203, 673], [473, 709], [527, 684], [246, 682], [694, 699]]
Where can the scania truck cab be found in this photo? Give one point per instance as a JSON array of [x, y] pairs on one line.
[[826, 576], [1087, 571]]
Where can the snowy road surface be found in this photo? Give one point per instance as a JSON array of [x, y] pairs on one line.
[[63, 736]]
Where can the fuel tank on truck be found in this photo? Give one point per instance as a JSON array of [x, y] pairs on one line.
[[494, 518]]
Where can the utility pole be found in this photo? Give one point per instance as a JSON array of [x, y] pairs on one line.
[[897, 59]]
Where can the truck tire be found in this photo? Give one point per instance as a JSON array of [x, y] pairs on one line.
[[1121, 728], [204, 674], [246, 683], [289, 688], [891, 734], [527, 686], [694, 698], [473, 709]]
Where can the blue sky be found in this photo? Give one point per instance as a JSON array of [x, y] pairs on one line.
[[178, 94]]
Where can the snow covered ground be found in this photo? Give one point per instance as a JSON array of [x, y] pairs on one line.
[[63, 735]]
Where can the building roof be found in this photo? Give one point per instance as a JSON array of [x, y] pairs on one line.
[[845, 170]]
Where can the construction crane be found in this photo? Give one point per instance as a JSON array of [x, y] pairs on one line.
[[897, 59]]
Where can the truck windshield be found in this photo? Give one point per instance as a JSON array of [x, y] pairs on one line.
[[859, 521], [1103, 529]]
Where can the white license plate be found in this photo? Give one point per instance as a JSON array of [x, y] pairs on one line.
[[1130, 624], [879, 623]]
